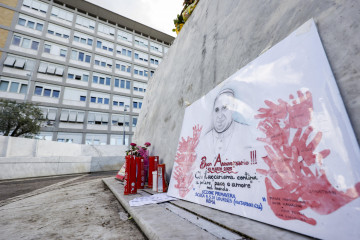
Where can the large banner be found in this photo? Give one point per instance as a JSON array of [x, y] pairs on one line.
[[274, 143]]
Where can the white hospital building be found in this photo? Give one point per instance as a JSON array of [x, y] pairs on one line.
[[86, 67]]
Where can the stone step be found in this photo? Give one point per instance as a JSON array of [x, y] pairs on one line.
[[185, 220]]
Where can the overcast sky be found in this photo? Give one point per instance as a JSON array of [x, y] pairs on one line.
[[157, 14]]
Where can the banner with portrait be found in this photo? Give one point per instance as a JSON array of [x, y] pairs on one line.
[[273, 143]]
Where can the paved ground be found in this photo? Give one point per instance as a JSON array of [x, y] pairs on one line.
[[67, 207]]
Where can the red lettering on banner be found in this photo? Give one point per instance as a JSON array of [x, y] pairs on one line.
[[218, 160], [203, 163]]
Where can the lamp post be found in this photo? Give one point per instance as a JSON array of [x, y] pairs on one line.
[[125, 109], [29, 75]]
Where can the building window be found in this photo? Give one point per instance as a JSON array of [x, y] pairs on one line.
[[154, 61], [100, 100], [38, 91], [21, 21], [56, 94], [137, 104], [140, 71], [62, 14], [120, 120], [47, 68], [46, 92], [123, 51], [13, 86], [134, 121], [124, 36], [154, 47], [19, 63], [85, 22], [80, 56], [142, 57], [106, 29], [83, 98], [124, 67], [105, 45], [83, 39], [101, 79], [103, 61], [34, 45], [63, 53], [72, 116], [31, 23], [55, 49], [141, 42], [58, 31], [49, 113], [139, 87], [47, 48], [78, 74], [4, 85], [25, 42], [98, 118], [121, 101], [36, 5], [121, 83]]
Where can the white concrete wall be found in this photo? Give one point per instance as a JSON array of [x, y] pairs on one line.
[[223, 36], [22, 158]]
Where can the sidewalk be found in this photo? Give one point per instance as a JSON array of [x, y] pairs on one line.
[[185, 220], [75, 208]]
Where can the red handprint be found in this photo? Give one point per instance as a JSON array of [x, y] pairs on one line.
[[300, 111], [282, 168], [307, 151], [185, 158], [276, 111], [275, 135], [289, 163]]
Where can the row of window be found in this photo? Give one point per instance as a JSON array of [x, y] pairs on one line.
[[46, 92], [78, 116], [73, 74], [77, 55], [54, 92], [13, 86], [25, 42], [31, 23], [87, 24], [19, 86], [19, 63], [16, 87], [90, 138]]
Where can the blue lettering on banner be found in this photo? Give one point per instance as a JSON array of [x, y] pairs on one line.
[[213, 196]]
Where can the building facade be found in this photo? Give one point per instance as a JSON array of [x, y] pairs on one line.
[[86, 67]]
